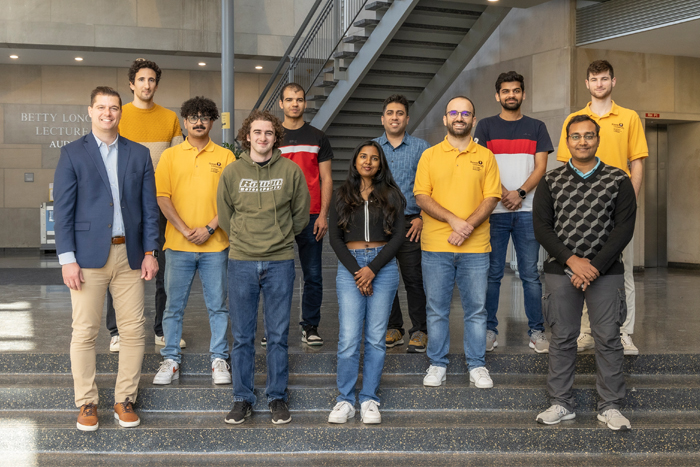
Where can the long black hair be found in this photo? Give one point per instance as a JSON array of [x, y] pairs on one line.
[[386, 195]]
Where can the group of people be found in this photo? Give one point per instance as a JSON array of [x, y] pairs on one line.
[[442, 215]]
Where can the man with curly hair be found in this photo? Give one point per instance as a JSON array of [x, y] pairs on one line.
[[157, 128], [263, 203], [186, 181]]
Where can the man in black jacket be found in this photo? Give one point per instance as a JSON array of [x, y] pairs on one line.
[[584, 213]]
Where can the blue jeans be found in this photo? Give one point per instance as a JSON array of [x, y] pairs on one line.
[[246, 279], [180, 268], [440, 273], [357, 312], [310, 257], [519, 226]]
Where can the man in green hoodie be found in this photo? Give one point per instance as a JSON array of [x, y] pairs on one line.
[[263, 202]]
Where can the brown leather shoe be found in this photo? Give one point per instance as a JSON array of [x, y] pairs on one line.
[[87, 419], [124, 412]]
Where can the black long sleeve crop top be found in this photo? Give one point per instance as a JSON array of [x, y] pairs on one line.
[[366, 226]]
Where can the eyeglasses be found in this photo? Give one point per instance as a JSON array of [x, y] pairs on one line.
[[193, 119], [454, 113], [587, 137]]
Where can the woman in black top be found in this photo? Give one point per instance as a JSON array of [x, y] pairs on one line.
[[365, 231]]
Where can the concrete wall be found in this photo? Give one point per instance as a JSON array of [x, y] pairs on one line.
[[36, 101], [262, 27]]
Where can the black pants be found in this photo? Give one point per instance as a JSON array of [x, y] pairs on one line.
[[607, 309], [409, 263], [161, 298]]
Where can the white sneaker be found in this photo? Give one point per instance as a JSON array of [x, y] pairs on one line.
[[168, 371], [369, 411], [341, 412], [491, 341], [630, 348], [435, 376], [584, 342], [114, 344], [160, 340], [480, 377], [220, 371]]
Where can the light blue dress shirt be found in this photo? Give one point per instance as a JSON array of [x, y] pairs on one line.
[[587, 174], [109, 153], [403, 163]]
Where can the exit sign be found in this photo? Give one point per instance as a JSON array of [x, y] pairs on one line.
[[652, 115]]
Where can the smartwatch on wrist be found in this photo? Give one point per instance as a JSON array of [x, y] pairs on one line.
[[522, 193], [209, 229], [153, 253]]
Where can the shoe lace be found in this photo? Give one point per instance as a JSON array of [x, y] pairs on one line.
[[220, 365], [278, 404], [490, 334], [90, 410], [418, 336], [433, 370], [372, 406], [166, 365], [481, 372], [538, 336], [582, 336], [610, 413], [559, 409], [626, 339], [126, 406]]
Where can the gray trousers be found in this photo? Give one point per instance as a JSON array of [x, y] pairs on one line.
[[562, 307]]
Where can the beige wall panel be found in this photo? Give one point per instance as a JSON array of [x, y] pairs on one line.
[[2, 125], [301, 10], [19, 228], [2, 198], [159, 13], [73, 84], [534, 30], [683, 210], [550, 72], [265, 17], [687, 72], [108, 12], [122, 86], [27, 10], [273, 46], [41, 33], [247, 44], [489, 53], [21, 194], [204, 14], [173, 89], [205, 41], [247, 90], [132, 37], [19, 157], [20, 84], [208, 84]]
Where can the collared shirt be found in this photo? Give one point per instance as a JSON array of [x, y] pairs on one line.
[[190, 177], [109, 153], [621, 138], [458, 181], [587, 174], [403, 163]]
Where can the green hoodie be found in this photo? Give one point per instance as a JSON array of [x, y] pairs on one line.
[[261, 224]]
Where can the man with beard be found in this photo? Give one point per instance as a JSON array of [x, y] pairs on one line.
[[521, 145], [622, 145], [457, 186]]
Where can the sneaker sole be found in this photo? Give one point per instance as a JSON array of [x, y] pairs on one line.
[[175, 376], [227, 381], [87, 427], [631, 352], [238, 422], [534, 347], [332, 419], [488, 386], [570, 416], [113, 350], [312, 343], [495, 344], [612, 427], [394, 344], [282, 422], [127, 424], [372, 422], [433, 385], [415, 349]]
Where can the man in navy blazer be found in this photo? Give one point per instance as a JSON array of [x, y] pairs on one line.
[[106, 237]]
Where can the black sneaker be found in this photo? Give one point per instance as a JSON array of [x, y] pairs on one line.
[[237, 415], [280, 412], [309, 336]]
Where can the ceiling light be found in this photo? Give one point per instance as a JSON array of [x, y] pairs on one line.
[[258, 67], [14, 57], [493, 0], [202, 64], [78, 59]]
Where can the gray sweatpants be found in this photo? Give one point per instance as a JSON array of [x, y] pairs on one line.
[[562, 306]]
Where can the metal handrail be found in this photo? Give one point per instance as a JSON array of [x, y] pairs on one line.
[[306, 62]]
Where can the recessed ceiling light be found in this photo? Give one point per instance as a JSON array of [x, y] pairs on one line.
[[14, 57], [202, 64], [258, 67], [493, 0], [78, 59]]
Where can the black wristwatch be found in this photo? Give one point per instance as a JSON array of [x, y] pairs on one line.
[[522, 193], [209, 229]]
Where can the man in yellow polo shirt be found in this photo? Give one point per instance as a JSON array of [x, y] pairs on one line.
[[187, 178], [457, 186], [622, 145]]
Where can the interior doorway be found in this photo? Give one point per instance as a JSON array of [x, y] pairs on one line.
[[656, 197]]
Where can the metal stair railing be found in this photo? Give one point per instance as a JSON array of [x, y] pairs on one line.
[[305, 63]]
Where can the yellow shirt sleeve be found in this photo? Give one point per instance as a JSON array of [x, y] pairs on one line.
[[423, 184], [563, 153], [492, 180], [163, 185], [637, 147]]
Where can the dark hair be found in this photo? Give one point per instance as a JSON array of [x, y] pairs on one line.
[[199, 105], [510, 77], [462, 97], [294, 87], [139, 64], [105, 91], [579, 119], [386, 196], [398, 98], [265, 116], [600, 66]]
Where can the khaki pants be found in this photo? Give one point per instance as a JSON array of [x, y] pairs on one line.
[[628, 326], [127, 288]]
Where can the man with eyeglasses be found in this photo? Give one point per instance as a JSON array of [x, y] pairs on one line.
[[622, 145], [457, 186], [157, 128], [187, 178], [584, 213]]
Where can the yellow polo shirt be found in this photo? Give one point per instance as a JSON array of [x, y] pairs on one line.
[[459, 182], [622, 137], [190, 179]]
